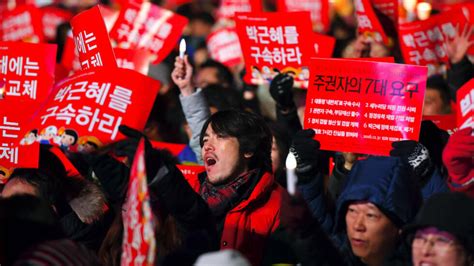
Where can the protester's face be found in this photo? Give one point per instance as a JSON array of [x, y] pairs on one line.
[[436, 249], [222, 158], [433, 103], [371, 234], [206, 76], [276, 160], [18, 187]]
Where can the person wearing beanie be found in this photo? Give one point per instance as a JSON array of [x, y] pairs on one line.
[[443, 231], [378, 199]]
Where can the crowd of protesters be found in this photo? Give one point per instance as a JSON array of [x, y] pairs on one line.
[[414, 207]]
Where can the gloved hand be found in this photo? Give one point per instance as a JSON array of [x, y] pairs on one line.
[[306, 151], [280, 89], [416, 155], [128, 147]]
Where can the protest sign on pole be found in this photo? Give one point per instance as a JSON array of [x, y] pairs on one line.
[[135, 59], [52, 17], [224, 47], [368, 23], [90, 106], [387, 7], [362, 106], [150, 27], [22, 24], [228, 8], [319, 10], [92, 40], [273, 43], [465, 112]]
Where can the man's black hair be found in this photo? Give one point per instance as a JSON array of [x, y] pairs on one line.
[[251, 130], [224, 75]]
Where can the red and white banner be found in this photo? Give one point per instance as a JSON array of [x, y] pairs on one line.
[[387, 7], [22, 24], [52, 17], [190, 172], [361, 106], [70, 58], [368, 23], [28, 70], [224, 47], [138, 244], [229, 8], [444, 122], [319, 10], [323, 45], [147, 26], [91, 40], [14, 121], [92, 105], [465, 99], [273, 43], [422, 42], [138, 60]]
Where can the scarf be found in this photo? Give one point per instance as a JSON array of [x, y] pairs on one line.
[[223, 198]]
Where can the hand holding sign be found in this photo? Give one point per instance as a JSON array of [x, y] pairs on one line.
[[182, 75]]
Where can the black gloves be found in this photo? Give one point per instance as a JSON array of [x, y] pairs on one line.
[[416, 155], [281, 90], [306, 151], [128, 147]]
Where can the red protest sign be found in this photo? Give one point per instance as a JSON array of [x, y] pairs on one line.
[[28, 70], [368, 23], [190, 172], [147, 26], [465, 112], [89, 106], [91, 40], [22, 24], [323, 45], [422, 42], [229, 8], [12, 123], [387, 7], [70, 58], [319, 10], [138, 242], [52, 17], [138, 60], [272, 43], [174, 148], [445, 122], [361, 106], [224, 47]]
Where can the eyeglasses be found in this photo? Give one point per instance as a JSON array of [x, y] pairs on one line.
[[436, 241]]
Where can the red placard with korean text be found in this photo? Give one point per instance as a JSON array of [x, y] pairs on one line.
[[147, 26], [174, 148], [229, 8], [138, 60], [138, 244], [52, 17], [91, 40], [93, 104], [319, 10], [361, 106], [224, 47], [13, 121], [465, 112], [22, 24], [444, 122], [70, 58], [387, 7], [273, 43], [368, 23], [190, 171], [421, 42], [323, 45], [28, 70]]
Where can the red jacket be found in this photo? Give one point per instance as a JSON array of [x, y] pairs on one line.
[[248, 225]]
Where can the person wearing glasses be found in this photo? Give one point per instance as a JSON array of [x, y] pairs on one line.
[[443, 231]]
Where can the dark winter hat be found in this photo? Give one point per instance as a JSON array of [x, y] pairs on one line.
[[452, 212]]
